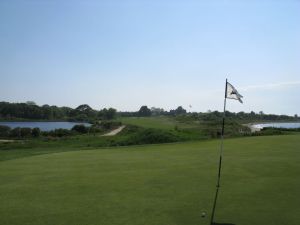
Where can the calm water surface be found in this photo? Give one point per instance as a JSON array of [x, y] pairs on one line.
[[44, 126], [277, 125]]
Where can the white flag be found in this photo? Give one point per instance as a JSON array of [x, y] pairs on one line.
[[232, 93]]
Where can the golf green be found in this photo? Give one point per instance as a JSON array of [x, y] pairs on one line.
[[169, 184]]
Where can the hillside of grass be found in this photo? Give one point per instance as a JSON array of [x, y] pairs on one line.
[[158, 122], [130, 135], [138, 131], [156, 184], [209, 127]]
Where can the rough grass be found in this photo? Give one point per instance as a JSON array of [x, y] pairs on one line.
[[158, 122], [167, 184], [209, 128]]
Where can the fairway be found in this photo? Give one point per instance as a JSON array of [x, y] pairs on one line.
[[168, 184]]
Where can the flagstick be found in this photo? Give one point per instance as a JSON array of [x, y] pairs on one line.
[[220, 161]]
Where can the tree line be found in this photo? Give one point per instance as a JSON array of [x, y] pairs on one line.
[[31, 111]]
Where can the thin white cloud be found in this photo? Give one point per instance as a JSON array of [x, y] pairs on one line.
[[270, 86]]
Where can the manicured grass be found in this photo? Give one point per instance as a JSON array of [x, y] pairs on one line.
[[167, 184]]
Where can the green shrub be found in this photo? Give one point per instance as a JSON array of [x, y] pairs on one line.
[[25, 132], [268, 131], [152, 136], [36, 132], [80, 129], [15, 132], [96, 129], [4, 131], [57, 133], [110, 124]]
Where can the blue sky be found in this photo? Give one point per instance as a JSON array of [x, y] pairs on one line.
[[125, 54]]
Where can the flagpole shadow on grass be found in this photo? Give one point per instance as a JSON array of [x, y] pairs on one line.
[[231, 93]]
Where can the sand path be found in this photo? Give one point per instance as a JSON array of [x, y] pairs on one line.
[[115, 131]]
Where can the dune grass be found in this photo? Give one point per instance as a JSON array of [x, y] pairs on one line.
[[158, 122], [169, 184]]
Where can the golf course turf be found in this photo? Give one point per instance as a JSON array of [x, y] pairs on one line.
[[167, 184]]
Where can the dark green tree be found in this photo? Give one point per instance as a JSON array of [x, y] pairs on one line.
[[157, 111], [84, 108], [144, 111], [179, 111], [107, 114]]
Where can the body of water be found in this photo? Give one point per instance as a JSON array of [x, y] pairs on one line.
[[277, 125], [44, 126]]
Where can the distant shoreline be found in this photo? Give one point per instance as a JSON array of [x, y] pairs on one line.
[[40, 120], [280, 121], [255, 129]]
